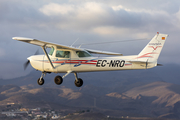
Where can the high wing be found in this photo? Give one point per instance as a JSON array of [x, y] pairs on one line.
[[48, 44]]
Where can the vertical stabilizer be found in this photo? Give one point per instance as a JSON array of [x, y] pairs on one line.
[[153, 49]]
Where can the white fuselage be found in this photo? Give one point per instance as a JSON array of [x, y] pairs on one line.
[[85, 64]]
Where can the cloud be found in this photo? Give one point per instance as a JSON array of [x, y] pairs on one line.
[[91, 21], [78, 17], [56, 9], [171, 7], [91, 17]]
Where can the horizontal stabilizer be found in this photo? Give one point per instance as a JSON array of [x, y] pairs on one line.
[[144, 64], [137, 62]]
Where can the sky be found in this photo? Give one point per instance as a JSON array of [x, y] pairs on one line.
[[89, 21]]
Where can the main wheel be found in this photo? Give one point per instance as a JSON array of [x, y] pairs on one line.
[[58, 80], [78, 82], [40, 81]]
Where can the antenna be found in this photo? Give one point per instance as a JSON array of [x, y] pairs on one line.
[[131, 40], [75, 41], [80, 45]]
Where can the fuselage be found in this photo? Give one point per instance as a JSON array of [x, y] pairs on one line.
[[87, 63]]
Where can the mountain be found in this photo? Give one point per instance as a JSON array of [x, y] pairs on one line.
[[161, 96], [137, 93], [156, 99]]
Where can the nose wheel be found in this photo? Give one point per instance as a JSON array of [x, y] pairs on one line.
[[40, 81]]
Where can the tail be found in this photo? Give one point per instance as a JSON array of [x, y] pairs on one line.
[[151, 52]]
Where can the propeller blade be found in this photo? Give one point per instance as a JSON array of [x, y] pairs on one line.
[[159, 64], [26, 64]]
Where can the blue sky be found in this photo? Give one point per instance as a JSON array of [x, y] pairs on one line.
[[63, 21]]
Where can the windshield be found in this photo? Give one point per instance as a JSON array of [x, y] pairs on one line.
[[51, 51], [83, 54]]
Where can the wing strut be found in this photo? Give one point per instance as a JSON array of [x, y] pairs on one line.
[[43, 47]]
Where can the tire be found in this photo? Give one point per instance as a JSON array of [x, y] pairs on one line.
[[78, 83], [58, 80], [40, 82]]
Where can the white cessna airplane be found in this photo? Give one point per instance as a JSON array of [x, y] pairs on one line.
[[68, 59]]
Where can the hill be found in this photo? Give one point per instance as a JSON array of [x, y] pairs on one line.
[[137, 93], [157, 99]]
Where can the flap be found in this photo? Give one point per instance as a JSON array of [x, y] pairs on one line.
[[103, 52]]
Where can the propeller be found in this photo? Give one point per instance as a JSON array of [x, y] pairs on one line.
[[146, 63], [27, 62]]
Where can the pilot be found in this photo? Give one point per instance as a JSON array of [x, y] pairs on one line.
[[66, 54], [77, 52], [80, 54]]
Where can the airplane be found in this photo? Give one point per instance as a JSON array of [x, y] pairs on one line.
[[68, 59]]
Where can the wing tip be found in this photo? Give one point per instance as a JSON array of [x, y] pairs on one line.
[[22, 38], [14, 38]]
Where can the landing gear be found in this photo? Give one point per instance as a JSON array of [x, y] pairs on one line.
[[58, 80], [78, 82], [40, 81]]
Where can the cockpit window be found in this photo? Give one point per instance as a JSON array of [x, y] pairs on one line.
[[51, 51], [83, 54], [62, 54]]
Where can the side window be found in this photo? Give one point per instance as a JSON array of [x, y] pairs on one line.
[[83, 54], [62, 54], [51, 51]]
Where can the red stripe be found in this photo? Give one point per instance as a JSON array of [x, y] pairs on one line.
[[93, 60], [147, 55], [91, 63], [77, 62]]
